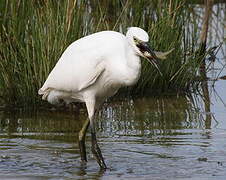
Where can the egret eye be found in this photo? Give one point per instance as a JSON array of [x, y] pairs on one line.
[[135, 40]]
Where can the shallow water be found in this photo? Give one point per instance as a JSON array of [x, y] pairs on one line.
[[174, 137], [143, 138]]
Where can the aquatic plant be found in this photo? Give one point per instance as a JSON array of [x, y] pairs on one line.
[[33, 35]]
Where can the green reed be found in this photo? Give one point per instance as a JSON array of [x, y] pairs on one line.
[[33, 35]]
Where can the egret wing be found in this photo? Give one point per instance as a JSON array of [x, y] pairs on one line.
[[83, 62], [92, 78], [75, 71]]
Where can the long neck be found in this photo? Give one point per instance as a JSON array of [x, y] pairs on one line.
[[133, 69], [133, 61]]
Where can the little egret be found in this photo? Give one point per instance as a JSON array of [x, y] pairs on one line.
[[92, 69]]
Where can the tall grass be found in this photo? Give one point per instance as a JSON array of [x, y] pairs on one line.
[[35, 33]]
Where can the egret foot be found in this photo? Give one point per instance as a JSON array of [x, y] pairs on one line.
[[97, 152], [82, 145]]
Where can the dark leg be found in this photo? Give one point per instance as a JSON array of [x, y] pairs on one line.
[[82, 136], [91, 108], [95, 148]]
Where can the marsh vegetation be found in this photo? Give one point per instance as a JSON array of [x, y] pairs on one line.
[[35, 33], [178, 135]]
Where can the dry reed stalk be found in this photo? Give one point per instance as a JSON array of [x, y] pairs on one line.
[[70, 7]]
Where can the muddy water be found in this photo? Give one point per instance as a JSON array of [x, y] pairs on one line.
[[142, 138]]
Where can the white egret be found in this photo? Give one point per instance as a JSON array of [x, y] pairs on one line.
[[92, 69]]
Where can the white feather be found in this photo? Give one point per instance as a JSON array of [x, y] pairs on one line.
[[94, 66]]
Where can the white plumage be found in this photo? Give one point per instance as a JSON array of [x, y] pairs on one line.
[[92, 69], [105, 58]]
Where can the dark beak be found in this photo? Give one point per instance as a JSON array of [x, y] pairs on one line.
[[149, 54]]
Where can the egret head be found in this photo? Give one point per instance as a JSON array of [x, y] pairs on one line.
[[138, 39]]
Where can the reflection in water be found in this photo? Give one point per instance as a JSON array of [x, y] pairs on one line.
[[148, 116], [206, 100], [143, 137], [143, 116]]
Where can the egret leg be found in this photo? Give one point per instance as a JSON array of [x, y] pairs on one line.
[[82, 136], [91, 108], [95, 148]]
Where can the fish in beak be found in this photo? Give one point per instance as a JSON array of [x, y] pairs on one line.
[[152, 56]]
